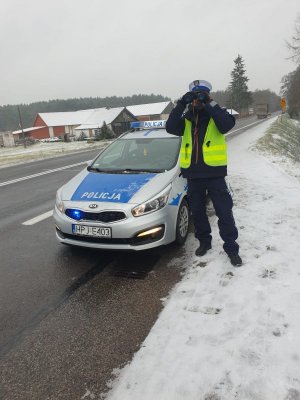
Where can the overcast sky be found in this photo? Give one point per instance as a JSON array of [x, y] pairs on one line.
[[61, 49]]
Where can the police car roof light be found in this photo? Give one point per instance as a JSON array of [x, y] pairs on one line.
[[148, 124]]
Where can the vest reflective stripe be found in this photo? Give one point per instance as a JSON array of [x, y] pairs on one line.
[[214, 146], [215, 158], [186, 146]]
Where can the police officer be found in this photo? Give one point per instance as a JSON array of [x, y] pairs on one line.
[[203, 161]]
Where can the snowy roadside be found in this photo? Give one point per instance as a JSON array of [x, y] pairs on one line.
[[40, 151], [231, 333], [282, 139]]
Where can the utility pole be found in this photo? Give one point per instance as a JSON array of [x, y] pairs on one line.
[[21, 126]]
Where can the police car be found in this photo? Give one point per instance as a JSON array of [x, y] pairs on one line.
[[131, 197]]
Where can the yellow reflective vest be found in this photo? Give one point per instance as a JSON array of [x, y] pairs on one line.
[[214, 146]]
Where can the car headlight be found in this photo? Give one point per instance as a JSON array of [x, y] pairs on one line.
[[152, 205], [58, 202]]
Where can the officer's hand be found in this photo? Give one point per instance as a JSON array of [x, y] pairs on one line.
[[204, 97], [187, 98]]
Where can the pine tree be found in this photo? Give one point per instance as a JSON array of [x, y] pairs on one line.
[[240, 97], [106, 132], [81, 137]]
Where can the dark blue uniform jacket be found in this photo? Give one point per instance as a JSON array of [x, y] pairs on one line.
[[175, 125]]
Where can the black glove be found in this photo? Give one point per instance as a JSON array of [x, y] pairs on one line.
[[187, 98]]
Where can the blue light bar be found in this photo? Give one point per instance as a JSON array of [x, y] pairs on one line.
[[148, 124], [135, 124]]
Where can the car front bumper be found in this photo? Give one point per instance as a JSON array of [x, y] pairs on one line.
[[124, 232]]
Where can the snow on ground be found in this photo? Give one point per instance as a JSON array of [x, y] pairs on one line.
[[231, 333], [16, 155]]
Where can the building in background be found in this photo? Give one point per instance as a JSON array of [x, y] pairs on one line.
[[6, 139], [116, 119], [70, 125], [152, 111]]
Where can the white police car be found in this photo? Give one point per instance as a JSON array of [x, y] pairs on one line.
[[131, 197]]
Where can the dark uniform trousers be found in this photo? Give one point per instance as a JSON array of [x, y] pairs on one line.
[[217, 190]]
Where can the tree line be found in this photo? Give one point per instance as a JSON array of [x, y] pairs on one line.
[[236, 96], [9, 119], [290, 83]]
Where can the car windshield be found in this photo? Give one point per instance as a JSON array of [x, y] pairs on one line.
[[138, 155]]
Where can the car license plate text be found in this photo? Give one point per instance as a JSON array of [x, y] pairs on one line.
[[94, 231]]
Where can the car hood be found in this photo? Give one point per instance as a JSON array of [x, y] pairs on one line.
[[116, 188]]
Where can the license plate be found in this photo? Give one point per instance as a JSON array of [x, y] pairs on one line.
[[94, 231]]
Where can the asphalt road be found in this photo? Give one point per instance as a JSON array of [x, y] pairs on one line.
[[67, 317]]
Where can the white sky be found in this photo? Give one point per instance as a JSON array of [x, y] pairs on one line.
[[231, 333], [71, 48]]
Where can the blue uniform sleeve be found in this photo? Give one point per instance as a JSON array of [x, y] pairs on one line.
[[222, 118], [175, 122]]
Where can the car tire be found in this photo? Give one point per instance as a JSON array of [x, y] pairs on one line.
[[182, 223]]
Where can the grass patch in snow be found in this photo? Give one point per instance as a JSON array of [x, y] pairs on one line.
[[281, 144], [282, 138]]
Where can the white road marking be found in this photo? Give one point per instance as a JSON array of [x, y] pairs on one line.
[[49, 171], [39, 218]]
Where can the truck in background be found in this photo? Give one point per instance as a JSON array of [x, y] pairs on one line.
[[262, 110]]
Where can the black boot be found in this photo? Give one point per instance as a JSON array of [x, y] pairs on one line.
[[202, 249], [235, 260]]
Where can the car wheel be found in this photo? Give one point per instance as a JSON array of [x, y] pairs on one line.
[[183, 223]]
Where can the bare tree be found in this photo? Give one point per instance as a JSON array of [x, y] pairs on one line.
[[286, 82], [294, 44]]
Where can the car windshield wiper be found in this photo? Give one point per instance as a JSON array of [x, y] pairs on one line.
[[89, 168], [125, 170], [137, 170]]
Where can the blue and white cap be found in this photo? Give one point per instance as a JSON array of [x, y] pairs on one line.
[[200, 85]]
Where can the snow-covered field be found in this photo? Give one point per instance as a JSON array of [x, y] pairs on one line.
[[231, 333], [16, 155]]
